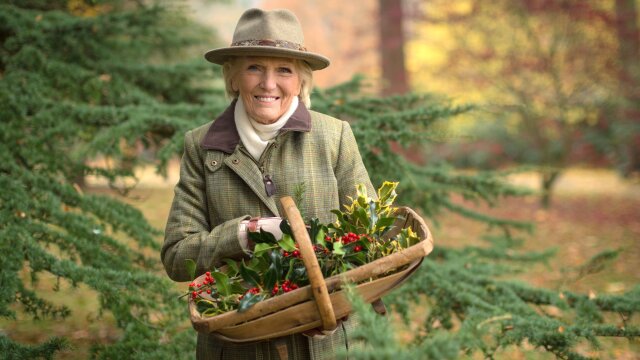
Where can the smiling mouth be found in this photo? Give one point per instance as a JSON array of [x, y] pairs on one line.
[[266, 98]]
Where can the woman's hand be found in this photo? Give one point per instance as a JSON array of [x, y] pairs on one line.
[[268, 224]]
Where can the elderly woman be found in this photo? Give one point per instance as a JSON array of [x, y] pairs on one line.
[[262, 147]]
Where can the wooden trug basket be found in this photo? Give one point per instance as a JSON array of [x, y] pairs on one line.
[[321, 303]]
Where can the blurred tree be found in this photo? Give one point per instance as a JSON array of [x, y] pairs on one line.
[[83, 81], [628, 34], [391, 45], [543, 70]]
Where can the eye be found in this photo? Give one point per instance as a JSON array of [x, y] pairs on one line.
[[253, 67], [285, 70]]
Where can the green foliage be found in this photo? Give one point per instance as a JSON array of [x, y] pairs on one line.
[[360, 235], [80, 84], [409, 120], [471, 309]]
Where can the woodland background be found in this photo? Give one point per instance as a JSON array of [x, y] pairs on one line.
[[513, 126]]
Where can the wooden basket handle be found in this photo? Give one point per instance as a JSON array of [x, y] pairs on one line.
[[318, 286]]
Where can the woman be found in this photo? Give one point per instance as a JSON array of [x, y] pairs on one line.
[[262, 147]]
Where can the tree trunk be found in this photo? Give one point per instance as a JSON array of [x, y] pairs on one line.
[[548, 180], [394, 74], [629, 78]]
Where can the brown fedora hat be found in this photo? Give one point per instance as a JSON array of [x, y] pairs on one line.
[[268, 33]]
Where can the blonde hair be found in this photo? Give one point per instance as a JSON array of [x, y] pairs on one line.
[[231, 68]]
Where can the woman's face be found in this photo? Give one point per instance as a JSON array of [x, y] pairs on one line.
[[267, 86]]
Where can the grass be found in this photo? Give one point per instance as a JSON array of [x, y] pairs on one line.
[[592, 211]]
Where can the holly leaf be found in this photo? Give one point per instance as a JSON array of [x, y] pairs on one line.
[[320, 238], [260, 248], [261, 237], [270, 278], [285, 228], [191, 268], [222, 283], [373, 215], [249, 275], [287, 243], [384, 222], [337, 248], [232, 267], [203, 305], [248, 300]]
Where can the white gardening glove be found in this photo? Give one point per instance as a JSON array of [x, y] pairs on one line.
[[268, 224]]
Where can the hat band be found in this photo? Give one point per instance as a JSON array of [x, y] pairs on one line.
[[272, 43]]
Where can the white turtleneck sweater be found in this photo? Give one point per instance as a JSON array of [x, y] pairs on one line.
[[254, 135]]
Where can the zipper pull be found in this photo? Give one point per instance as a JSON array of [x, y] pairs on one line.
[[269, 186]]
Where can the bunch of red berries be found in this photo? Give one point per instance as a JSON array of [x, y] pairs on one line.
[[285, 287], [197, 289], [253, 290], [294, 253], [349, 238]]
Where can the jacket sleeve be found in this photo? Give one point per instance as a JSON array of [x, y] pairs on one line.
[[188, 234], [350, 170]]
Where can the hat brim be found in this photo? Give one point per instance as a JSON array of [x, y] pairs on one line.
[[220, 56]]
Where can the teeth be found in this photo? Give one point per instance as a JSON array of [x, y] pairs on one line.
[[266, 98]]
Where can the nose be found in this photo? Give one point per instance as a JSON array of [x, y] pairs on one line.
[[268, 80]]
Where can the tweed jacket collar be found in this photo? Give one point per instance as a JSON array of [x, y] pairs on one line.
[[223, 134]]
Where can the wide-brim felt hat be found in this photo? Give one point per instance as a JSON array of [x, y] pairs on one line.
[[268, 33]]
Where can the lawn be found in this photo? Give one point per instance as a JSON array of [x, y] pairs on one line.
[[592, 211]]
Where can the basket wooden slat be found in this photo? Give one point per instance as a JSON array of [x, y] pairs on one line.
[[298, 310]]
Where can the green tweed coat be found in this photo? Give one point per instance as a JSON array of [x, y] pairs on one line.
[[221, 185]]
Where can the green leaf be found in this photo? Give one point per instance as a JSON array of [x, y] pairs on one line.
[[232, 267], [337, 248], [203, 305], [361, 215], [285, 228], [270, 278], [236, 288], [249, 275], [320, 238], [191, 268], [261, 236], [287, 243], [260, 248], [248, 301], [222, 283], [373, 214], [384, 222]]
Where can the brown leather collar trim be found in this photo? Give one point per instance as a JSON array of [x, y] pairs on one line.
[[223, 134]]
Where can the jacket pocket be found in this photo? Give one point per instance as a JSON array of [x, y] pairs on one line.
[[213, 161]]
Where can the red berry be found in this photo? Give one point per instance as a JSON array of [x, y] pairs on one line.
[[357, 248], [194, 295]]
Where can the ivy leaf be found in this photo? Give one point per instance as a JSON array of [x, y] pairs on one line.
[[249, 275], [248, 301], [222, 283], [191, 268], [287, 243]]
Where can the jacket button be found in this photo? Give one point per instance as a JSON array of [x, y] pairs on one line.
[[214, 163], [235, 161]]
